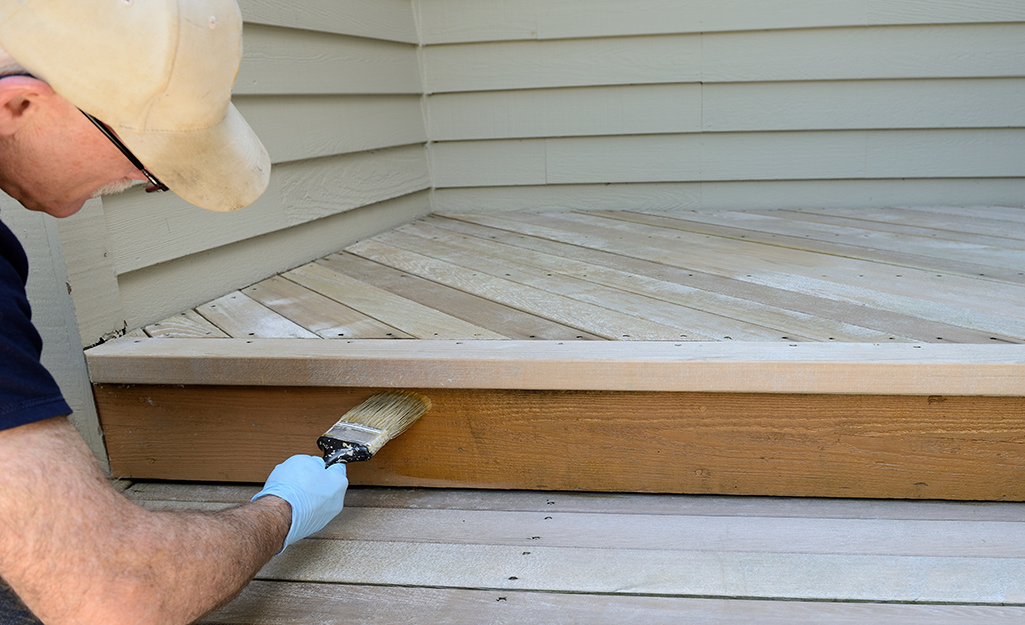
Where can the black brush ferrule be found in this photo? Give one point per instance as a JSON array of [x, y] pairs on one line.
[[336, 451]]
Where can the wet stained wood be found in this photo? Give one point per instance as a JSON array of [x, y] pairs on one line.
[[915, 447]]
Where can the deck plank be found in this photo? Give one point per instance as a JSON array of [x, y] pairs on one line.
[[896, 324], [239, 316], [186, 325], [276, 603], [920, 230], [788, 324], [961, 259], [783, 275], [599, 320], [413, 318], [322, 315], [465, 556], [510, 322], [967, 224], [949, 301], [603, 503], [551, 275]]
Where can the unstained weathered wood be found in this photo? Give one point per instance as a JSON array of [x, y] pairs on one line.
[[505, 320], [297, 603], [320, 314]]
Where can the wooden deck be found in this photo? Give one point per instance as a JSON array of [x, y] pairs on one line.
[[942, 275], [875, 354], [463, 557]]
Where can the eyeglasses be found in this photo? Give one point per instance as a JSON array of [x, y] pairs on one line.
[[154, 182]]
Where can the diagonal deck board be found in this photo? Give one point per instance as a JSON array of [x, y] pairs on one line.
[[954, 301], [510, 322], [317, 313], [906, 274]]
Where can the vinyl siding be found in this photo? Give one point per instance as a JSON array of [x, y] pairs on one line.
[[698, 104]]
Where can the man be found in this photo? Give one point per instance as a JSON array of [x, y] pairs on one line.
[[97, 95]]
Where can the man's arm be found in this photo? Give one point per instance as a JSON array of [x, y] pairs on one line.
[[76, 551]]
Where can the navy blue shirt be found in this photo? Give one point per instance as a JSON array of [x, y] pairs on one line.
[[28, 392]]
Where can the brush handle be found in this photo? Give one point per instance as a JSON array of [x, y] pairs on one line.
[[336, 450]]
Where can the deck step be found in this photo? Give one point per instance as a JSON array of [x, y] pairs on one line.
[[803, 353]]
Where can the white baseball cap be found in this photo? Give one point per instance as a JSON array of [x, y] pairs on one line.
[[159, 73]]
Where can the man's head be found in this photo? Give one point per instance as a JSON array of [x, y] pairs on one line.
[[156, 73]]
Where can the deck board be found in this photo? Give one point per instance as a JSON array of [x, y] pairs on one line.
[[940, 274], [470, 556]]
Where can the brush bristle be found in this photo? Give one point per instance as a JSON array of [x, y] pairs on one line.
[[391, 412]]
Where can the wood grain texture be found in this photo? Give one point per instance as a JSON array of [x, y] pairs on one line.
[[505, 320], [940, 447], [328, 318], [240, 316], [927, 295], [750, 367], [411, 317], [275, 603], [705, 311], [824, 308], [189, 324], [161, 493]]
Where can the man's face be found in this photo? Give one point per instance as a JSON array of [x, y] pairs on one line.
[[63, 159]]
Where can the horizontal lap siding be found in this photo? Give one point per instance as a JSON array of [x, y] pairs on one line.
[[698, 104], [333, 89]]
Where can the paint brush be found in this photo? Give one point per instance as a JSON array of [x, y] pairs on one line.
[[362, 431]]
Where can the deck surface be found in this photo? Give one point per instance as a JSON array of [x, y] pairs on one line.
[[474, 557], [857, 276]]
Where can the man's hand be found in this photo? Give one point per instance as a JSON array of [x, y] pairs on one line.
[[316, 494]]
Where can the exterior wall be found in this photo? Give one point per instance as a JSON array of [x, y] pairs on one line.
[[54, 316], [678, 104], [333, 89]]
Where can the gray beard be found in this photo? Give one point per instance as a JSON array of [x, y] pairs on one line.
[[117, 186]]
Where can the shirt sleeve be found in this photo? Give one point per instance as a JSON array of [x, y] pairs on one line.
[[28, 392]]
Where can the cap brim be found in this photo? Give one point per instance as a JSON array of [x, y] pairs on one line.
[[223, 168]]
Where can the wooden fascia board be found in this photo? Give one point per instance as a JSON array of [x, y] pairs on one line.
[[839, 368]]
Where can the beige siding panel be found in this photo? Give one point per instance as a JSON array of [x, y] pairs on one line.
[[743, 195], [864, 104], [989, 50], [734, 156], [286, 61], [302, 127], [641, 109], [482, 163], [152, 294], [378, 19], [760, 106], [146, 231], [91, 276], [455, 21]]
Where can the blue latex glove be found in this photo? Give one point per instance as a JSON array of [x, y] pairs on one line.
[[316, 494]]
